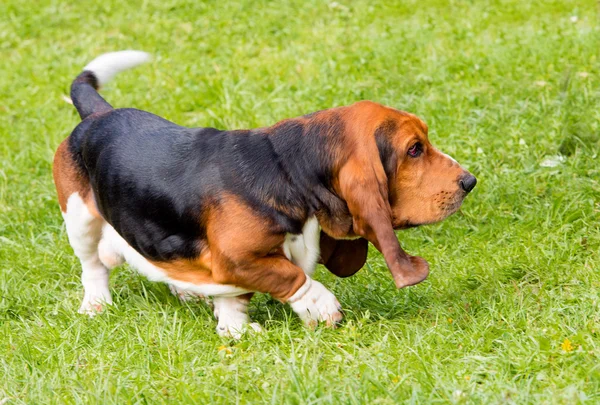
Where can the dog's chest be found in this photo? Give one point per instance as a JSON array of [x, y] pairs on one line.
[[303, 249]]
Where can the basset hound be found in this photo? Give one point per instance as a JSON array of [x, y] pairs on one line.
[[225, 214]]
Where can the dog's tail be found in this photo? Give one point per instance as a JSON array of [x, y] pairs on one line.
[[97, 73]]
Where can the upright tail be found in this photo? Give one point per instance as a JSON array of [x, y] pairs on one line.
[[97, 73]]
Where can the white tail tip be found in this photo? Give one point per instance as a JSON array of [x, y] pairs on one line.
[[106, 66]]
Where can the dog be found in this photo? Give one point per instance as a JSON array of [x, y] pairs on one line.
[[226, 213]]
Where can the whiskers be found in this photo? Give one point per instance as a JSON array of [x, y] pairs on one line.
[[448, 203]]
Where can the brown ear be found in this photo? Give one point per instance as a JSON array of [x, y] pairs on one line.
[[343, 257], [366, 194]]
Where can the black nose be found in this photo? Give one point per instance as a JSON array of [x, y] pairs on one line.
[[468, 182]]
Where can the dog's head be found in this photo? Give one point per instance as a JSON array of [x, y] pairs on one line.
[[424, 184], [393, 178]]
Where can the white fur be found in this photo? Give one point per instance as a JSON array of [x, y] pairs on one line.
[[232, 316], [230, 310], [185, 295], [449, 157], [106, 66], [99, 247], [303, 250], [109, 255], [313, 303]]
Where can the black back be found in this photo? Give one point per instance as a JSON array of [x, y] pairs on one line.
[[153, 180]]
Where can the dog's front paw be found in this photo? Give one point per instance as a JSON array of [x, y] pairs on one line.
[[314, 303], [232, 316]]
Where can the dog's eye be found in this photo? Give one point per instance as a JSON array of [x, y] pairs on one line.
[[415, 150]]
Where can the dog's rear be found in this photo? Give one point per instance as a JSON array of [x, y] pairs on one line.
[[95, 242], [83, 222], [68, 175]]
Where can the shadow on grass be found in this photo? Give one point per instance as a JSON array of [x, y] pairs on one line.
[[362, 299]]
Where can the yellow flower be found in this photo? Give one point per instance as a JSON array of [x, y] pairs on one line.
[[450, 320], [567, 346], [227, 349]]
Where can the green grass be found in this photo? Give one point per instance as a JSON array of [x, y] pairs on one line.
[[502, 84]]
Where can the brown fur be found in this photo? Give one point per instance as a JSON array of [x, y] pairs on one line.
[[241, 244], [69, 180], [241, 251]]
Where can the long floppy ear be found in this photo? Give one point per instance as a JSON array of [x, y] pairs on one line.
[[364, 183], [343, 257], [366, 196]]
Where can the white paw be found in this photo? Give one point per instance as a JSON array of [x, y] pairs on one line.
[[93, 304], [235, 329], [314, 303], [233, 319]]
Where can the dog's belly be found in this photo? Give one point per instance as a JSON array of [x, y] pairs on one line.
[[117, 246], [301, 249]]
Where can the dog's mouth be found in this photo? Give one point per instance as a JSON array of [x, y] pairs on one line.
[[440, 209], [452, 205]]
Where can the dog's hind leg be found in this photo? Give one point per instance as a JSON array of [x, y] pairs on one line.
[[108, 248], [85, 230]]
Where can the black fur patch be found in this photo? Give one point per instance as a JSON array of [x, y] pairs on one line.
[[86, 99], [87, 77], [387, 154]]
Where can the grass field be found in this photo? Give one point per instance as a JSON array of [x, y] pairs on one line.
[[510, 313]]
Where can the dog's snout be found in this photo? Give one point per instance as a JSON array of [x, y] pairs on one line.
[[467, 182]]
